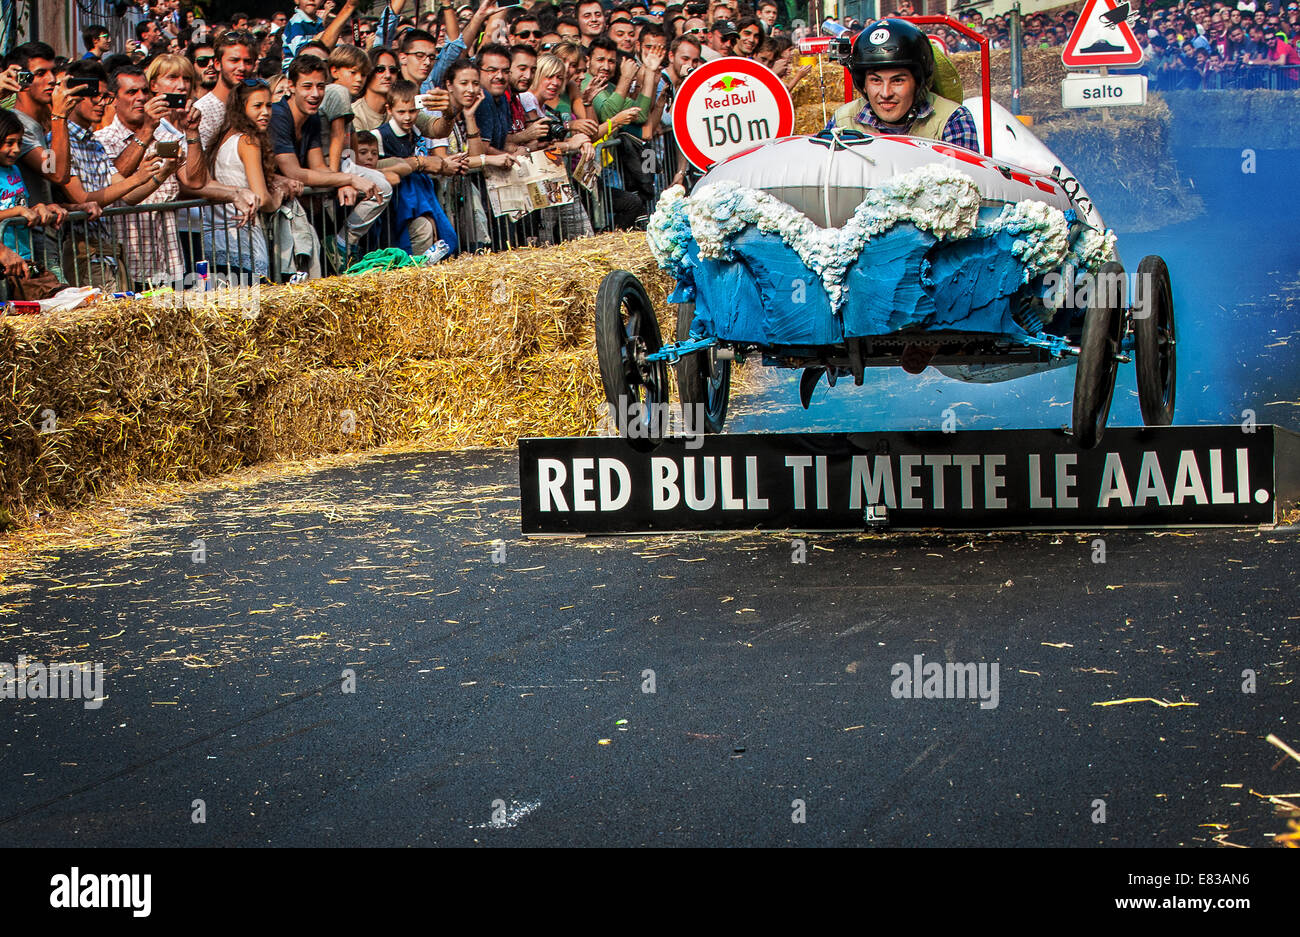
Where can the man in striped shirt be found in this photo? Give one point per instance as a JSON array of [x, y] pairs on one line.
[[306, 25]]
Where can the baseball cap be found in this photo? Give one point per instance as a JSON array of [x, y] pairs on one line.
[[726, 28]]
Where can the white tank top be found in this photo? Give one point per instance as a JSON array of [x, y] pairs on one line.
[[229, 168]]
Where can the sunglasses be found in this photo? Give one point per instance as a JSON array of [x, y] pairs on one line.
[[527, 33], [203, 61], [386, 68], [696, 32], [256, 83]]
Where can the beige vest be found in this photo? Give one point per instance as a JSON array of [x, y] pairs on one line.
[[846, 116]]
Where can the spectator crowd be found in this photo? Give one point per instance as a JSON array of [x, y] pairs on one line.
[[272, 147], [265, 148], [1187, 44]]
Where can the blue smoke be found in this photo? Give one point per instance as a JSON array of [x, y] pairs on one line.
[[1236, 279]]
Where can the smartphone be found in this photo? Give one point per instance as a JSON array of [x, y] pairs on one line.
[[82, 86], [175, 101], [168, 149], [25, 78]]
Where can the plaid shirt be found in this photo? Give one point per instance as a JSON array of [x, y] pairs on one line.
[[149, 239], [959, 130], [90, 164]]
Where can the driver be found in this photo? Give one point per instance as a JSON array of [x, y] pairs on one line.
[[892, 65]]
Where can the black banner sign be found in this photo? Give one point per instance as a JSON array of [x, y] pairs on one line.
[[992, 479]]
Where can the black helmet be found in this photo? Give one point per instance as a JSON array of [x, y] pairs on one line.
[[892, 43]]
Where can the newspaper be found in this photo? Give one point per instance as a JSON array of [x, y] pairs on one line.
[[540, 181], [587, 172]]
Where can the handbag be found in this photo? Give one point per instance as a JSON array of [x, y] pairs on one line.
[[38, 284]]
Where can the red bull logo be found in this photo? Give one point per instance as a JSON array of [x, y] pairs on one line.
[[728, 83]]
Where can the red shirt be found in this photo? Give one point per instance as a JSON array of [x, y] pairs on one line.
[[1285, 54]]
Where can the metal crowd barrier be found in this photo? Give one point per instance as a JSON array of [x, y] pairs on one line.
[[146, 247], [143, 247], [1230, 78]]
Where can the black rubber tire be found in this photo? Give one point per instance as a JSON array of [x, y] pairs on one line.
[[702, 379], [1153, 328], [627, 329], [1094, 379]]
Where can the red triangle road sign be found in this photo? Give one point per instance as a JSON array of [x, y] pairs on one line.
[[1102, 36]]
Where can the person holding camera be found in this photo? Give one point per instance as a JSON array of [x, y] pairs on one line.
[[145, 127], [540, 101], [97, 180], [44, 156]]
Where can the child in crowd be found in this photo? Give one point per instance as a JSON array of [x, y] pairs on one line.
[[367, 156], [416, 215], [349, 68], [13, 195]]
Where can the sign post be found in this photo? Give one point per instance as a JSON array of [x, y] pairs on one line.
[[1102, 39], [1088, 89], [728, 106]]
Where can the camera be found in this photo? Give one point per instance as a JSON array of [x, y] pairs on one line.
[[174, 101], [168, 149], [555, 129], [696, 9], [840, 50], [25, 78]]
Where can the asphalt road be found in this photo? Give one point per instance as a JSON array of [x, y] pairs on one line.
[[479, 681]]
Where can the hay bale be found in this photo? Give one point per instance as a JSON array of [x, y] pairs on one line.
[[1127, 166], [477, 351], [472, 402], [322, 411]]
